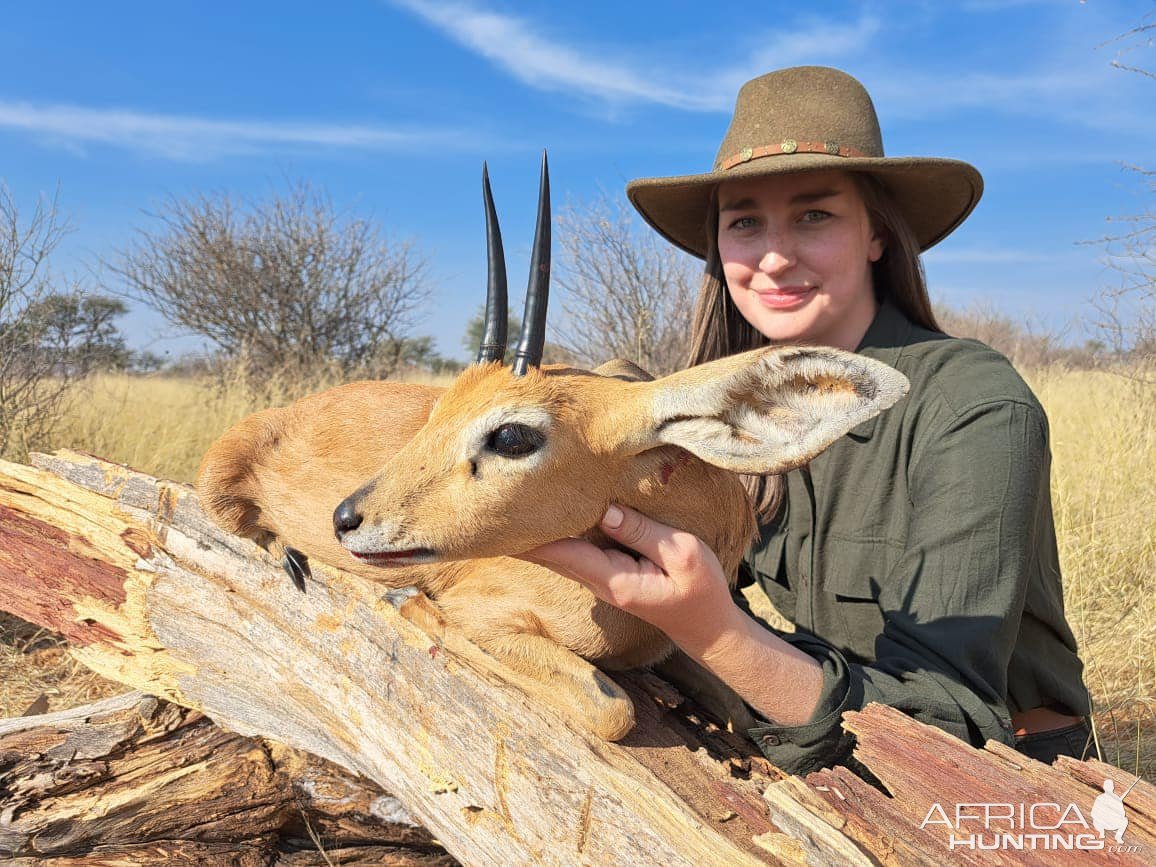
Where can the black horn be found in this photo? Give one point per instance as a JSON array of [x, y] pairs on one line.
[[529, 352], [493, 345]]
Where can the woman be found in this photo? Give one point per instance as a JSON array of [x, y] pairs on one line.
[[916, 556]]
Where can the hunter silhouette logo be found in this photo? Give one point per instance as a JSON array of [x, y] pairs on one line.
[[1044, 825], [1108, 811]]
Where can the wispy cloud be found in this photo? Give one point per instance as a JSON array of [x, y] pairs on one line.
[[522, 49], [191, 138], [514, 45], [1090, 95], [1082, 91]]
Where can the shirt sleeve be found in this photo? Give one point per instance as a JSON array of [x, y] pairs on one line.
[[953, 601]]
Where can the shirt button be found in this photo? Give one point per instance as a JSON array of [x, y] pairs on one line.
[[770, 740]]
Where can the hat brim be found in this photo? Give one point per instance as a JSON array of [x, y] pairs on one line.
[[934, 195]]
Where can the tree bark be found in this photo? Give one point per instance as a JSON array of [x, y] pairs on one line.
[[135, 776]]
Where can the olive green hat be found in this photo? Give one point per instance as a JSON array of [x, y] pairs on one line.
[[801, 119]]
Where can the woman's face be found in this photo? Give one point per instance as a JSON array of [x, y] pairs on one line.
[[797, 252]]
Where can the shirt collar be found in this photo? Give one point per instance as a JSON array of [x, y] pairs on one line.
[[888, 333]]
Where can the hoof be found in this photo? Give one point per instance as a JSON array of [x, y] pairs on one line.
[[296, 566], [614, 711], [615, 721]]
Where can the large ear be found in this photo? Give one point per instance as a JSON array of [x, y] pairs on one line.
[[765, 411]]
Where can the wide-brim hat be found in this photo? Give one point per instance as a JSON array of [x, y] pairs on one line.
[[802, 119]]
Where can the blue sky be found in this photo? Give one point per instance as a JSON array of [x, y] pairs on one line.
[[392, 106]]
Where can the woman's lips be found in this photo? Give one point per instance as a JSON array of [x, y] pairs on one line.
[[785, 297]]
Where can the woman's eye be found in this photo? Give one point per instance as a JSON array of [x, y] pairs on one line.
[[743, 223], [514, 440], [815, 216]]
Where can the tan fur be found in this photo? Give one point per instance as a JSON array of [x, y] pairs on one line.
[[277, 477]]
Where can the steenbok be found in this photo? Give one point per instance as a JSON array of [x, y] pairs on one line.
[[448, 484]]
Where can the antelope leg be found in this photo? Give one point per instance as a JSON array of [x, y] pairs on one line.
[[574, 687]]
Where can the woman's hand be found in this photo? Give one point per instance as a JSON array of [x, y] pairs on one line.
[[678, 585]]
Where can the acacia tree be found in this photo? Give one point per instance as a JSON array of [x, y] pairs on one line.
[[1128, 308], [50, 337], [79, 332], [286, 284], [28, 396], [626, 292]]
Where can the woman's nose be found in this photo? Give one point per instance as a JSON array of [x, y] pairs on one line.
[[777, 257]]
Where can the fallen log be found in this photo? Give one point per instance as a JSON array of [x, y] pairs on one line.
[[152, 595]]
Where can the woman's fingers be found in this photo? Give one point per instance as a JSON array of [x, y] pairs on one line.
[[609, 574], [675, 583], [661, 545], [670, 549], [575, 558]]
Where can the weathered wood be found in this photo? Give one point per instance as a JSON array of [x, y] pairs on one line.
[[866, 815], [204, 619], [58, 568], [184, 853], [922, 766], [133, 774], [1140, 801]]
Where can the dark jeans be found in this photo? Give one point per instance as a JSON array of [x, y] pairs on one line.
[[1074, 740]]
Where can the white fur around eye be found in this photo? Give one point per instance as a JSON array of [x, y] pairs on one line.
[[474, 436]]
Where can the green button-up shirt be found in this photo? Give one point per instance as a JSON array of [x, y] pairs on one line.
[[917, 556]]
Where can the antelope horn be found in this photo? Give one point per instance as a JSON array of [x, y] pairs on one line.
[[493, 345], [529, 353]]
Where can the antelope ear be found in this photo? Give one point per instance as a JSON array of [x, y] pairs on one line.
[[769, 410]]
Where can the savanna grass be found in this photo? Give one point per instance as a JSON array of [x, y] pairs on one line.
[[164, 425], [1103, 428]]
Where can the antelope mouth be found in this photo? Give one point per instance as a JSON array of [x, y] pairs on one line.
[[408, 557]]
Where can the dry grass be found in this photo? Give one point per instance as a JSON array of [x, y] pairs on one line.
[[158, 425], [1104, 490], [38, 675], [163, 425], [1104, 494]]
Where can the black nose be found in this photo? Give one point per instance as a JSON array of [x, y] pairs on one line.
[[346, 517]]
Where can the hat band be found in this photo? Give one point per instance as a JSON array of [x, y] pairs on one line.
[[789, 146]]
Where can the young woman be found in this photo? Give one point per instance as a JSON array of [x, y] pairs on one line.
[[916, 556]]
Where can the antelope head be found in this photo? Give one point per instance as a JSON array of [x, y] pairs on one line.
[[514, 457]]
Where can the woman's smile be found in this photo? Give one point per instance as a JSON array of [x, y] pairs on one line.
[[785, 297]]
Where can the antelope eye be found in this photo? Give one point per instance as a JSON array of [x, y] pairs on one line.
[[514, 441]]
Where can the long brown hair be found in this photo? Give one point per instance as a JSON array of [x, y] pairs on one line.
[[718, 329]]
